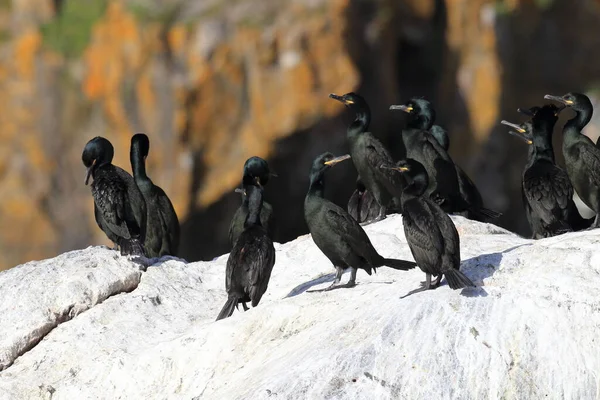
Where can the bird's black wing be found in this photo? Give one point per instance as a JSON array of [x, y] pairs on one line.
[[590, 156], [350, 231], [110, 196], [169, 220], [451, 240], [258, 263], [377, 156], [548, 190], [423, 235]]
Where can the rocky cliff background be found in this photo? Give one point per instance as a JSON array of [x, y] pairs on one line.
[[214, 82]]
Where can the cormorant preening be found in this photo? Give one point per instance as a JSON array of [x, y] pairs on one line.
[[546, 188], [336, 233], [582, 157], [256, 171], [119, 206], [430, 233], [162, 225], [251, 261], [362, 206], [368, 154], [449, 185]]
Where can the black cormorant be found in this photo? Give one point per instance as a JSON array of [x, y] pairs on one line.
[[582, 157], [336, 233], [362, 206], [449, 185], [162, 225], [256, 171], [430, 232], [368, 154], [119, 206], [251, 260], [546, 188]]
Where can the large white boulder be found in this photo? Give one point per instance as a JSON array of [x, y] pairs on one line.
[[91, 324]]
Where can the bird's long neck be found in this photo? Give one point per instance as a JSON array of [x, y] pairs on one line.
[[255, 202], [421, 122], [317, 185], [576, 124], [138, 165], [360, 124], [416, 187], [542, 140]]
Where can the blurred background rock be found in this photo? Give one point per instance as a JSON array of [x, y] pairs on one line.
[[213, 82]]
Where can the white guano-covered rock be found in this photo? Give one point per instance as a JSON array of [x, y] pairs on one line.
[[109, 330]]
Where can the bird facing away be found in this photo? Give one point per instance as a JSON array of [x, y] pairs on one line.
[[582, 157], [162, 225], [546, 188], [336, 233], [430, 233], [251, 261], [256, 171], [119, 206], [362, 206], [449, 185], [368, 154]]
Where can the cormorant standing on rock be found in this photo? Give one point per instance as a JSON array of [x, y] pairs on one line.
[[582, 157], [448, 183], [256, 171], [546, 188], [430, 233], [119, 206], [336, 233], [368, 154], [251, 261], [362, 206], [162, 227]]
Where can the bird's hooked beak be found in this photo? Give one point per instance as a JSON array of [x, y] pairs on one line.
[[403, 107], [89, 171], [336, 160], [519, 131], [240, 190], [341, 99], [559, 99], [273, 175], [257, 181], [401, 169]]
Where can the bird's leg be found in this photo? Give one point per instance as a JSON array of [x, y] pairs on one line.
[[245, 306], [596, 223], [424, 287], [338, 278], [437, 281]]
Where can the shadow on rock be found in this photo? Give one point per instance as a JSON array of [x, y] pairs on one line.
[[484, 266], [303, 287]]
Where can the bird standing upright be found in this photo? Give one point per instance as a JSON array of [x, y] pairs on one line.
[[368, 154], [119, 207], [251, 261], [430, 232], [162, 225], [582, 157], [256, 171], [336, 233]]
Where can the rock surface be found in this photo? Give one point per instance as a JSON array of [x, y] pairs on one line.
[[109, 330]]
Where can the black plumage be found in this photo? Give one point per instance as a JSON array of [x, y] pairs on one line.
[[430, 232], [119, 206], [582, 157], [362, 206], [251, 260], [426, 143], [162, 224], [368, 154], [546, 188], [256, 171], [336, 233]]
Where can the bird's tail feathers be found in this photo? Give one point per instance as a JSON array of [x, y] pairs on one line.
[[486, 213], [457, 279], [228, 308], [131, 247], [401, 265]]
